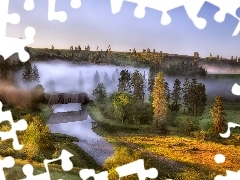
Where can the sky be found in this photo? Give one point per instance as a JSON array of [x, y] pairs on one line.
[[94, 24]]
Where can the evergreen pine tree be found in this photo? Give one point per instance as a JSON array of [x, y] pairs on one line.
[[27, 72], [185, 89], [218, 115], [159, 103], [176, 93], [100, 93], [113, 78], [167, 91], [137, 82], [106, 80], [35, 74], [124, 81], [96, 79]]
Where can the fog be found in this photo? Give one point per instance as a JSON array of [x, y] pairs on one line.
[[221, 70], [63, 77], [214, 87]]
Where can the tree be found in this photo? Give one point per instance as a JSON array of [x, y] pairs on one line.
[[124, 81], [113, 78], [137, 83], [197, 98], [106, 80], [167, 91], [4, 68], [176, 93], [37, 137], [185, 89], [159, 103], [100, 93], [37, 98], [27, 72], [121, 102], [151, 76], [35, 74], [218, 115], [96, 79]]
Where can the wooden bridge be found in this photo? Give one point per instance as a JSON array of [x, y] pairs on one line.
[[65, 98]]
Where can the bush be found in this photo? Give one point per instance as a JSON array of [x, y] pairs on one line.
[[123, 156], [188, 124], [37, 137], [201, 135], [171, 118], [108, 112]]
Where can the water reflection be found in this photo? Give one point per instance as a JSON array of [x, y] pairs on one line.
[[78, 124], [66, 107]]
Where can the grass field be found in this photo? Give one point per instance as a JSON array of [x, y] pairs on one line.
[[175, 155]]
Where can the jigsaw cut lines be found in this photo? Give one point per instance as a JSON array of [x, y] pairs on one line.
[[192, 8]]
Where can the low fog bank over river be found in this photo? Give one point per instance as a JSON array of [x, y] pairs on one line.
[[64, 77], [70, 119]]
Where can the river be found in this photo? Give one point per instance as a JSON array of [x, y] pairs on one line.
[[70, 119]]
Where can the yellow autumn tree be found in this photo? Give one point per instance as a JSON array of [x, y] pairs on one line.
[[160, 104], [37, 137]]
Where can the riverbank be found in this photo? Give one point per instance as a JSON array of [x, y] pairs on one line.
[[77, 123], [80, 159], [174, 156]]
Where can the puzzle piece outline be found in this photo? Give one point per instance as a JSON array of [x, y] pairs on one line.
[[10, 45], [64, 157], [20, 125], [192, 9]]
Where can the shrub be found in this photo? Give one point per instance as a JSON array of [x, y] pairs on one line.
[[201, 135], [188, 124], [171, 118], [123, 156], [36, 138]]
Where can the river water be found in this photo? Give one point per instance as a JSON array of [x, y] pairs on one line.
[[72, 120]]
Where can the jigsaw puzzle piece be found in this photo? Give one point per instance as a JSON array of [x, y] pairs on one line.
[[66, 166], [87, 173], [53, 15], [29, 5], [227, 7], [229, 175], [159, 5], [75, 4], [28, 171], [6, 18], [230, 125], [7, 162], [236, 89], [9, 46], [137, 167], [21, 125], [192, 8], [116, 6]]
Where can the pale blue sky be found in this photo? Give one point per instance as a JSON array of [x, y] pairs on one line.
[[94, 24]]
